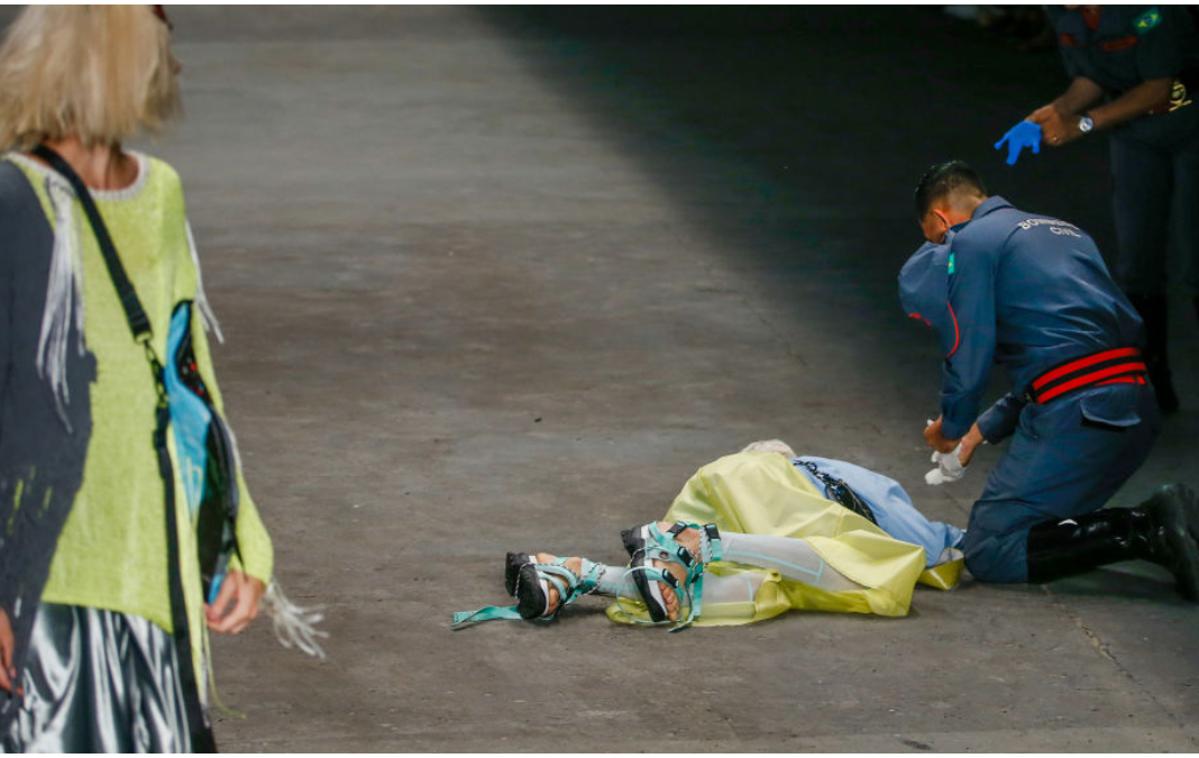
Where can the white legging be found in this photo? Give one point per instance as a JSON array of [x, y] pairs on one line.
[[792, 557]]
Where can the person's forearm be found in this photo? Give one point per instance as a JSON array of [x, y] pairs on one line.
[[970, 443], [1080, 95], [1135, 102]]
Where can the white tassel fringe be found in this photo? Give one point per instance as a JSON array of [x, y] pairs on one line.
[[294, 626], [64, 299], [206, 314]]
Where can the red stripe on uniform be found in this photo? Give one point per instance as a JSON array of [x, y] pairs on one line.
[[1118, 44], [1123, 380], [1081, 363], [1092, 378], [957, 333]]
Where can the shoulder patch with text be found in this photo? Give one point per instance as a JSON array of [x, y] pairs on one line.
[[1056, 226]]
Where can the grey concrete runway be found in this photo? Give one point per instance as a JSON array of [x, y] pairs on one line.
[[500, 280]]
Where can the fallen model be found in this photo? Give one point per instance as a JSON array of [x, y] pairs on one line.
[[751, 536]]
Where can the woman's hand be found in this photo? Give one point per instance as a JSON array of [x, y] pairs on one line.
[[8, 674], [236, 604]]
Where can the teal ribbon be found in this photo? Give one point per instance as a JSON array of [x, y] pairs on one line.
[[463, 619], [570, 588], [715, 548]]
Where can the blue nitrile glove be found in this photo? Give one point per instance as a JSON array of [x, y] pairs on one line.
[[1022, 135]]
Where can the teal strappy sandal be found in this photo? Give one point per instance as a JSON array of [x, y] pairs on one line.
[[529, 582], [648, 543]]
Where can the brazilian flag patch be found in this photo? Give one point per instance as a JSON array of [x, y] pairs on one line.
[[1147, 20], [951, 264]]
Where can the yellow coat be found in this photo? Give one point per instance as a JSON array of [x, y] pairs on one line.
[[762, 493]]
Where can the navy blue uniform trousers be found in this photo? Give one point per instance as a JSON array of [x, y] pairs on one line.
[[1155, 168], [1066, 458]]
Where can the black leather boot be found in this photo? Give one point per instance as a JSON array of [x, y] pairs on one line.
[[1155, 313], [1164, 530]]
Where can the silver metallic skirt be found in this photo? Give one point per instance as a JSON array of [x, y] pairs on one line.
[[98, 681]]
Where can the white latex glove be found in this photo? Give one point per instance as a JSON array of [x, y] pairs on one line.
[[949, 465]]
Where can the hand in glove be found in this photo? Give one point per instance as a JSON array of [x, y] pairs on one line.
[[1022, 135], [949, 467]]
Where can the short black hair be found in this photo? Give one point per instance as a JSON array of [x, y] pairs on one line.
[[942, 179]]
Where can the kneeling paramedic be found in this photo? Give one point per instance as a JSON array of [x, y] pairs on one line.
[[1032, 293]]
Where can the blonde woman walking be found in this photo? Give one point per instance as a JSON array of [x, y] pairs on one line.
[[125, 524]]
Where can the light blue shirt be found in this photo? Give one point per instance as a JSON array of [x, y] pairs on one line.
[[892, 507]]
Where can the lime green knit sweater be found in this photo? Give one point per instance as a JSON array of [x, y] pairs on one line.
[[112, 551]]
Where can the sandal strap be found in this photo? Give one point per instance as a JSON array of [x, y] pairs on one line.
[[669, 548], [693, 608], [691, 589], [570, 588], [576, 585], [463, 619], [565, 592], [590, 579], [713, 548], [710, 547]]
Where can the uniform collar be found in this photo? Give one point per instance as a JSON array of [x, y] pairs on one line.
[[992, 203]]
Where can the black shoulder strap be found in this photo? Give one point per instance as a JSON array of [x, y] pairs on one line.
[[841, 493], [139, 324]]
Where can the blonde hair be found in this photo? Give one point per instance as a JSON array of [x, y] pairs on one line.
[[98, 73]]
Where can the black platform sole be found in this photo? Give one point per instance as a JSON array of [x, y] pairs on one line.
[[512, 564], [530, 598], [634, 543], [632, 540]]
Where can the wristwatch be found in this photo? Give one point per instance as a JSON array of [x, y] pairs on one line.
[[1086, 124]]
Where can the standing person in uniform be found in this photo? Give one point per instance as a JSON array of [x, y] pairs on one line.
[[113, 447], [1032, 293], [1144, 63]]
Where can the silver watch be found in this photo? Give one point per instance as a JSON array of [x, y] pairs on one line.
[[1086, 124]]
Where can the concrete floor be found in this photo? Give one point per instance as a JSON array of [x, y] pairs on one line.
[[502, 279]]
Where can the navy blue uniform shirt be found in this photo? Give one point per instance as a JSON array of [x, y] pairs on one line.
[[1129, 45], [1026, 292]]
